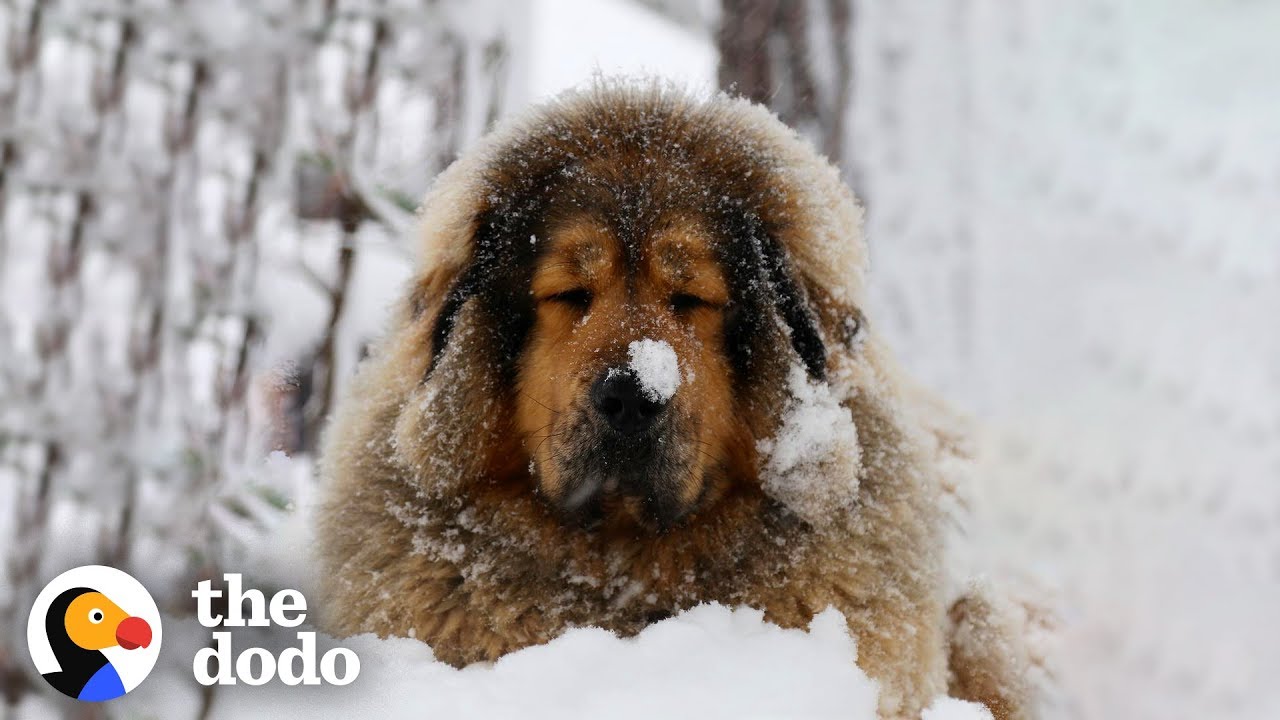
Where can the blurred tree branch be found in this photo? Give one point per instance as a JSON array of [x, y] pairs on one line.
[[159, 159]]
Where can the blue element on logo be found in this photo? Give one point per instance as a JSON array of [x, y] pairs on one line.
[[104, 685]]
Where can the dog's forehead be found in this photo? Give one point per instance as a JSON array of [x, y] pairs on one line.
[[681, 249], [583, 242], [674, 249]]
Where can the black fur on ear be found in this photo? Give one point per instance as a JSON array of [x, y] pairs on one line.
[[761, 280], [497, 277], [464, 288], [793, 305]]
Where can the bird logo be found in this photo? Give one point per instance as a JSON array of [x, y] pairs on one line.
[[94, 633]]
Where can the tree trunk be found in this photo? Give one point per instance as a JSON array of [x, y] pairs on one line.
[[796, 58]]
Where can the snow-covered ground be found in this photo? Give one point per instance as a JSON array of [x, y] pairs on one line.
[[709, 662]]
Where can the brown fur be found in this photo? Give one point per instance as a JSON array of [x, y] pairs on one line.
[[570, 346], [443, 472]]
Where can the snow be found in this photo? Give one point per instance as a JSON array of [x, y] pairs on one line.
[[811, 463], [656, 366], [1073, 237], [708, 662], [953, 709]]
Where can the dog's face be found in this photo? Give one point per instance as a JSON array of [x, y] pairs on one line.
[[625, 396], [606, 251]]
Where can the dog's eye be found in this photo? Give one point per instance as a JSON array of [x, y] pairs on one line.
[[684, 302], [579, 298]]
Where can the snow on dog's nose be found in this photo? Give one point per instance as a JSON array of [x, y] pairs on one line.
[[630, 398]]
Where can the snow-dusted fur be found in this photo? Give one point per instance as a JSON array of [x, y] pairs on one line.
[[431, 528]]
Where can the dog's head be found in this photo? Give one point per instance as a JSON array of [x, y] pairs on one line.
[[630, 268], [626, 384]]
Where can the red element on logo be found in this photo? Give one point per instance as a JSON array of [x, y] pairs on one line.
[[133, 632]]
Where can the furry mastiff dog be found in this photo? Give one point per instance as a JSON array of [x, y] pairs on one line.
[[633, 375]]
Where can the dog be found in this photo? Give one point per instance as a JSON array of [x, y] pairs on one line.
[[633, 374]]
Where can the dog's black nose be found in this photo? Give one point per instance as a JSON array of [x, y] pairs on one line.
[[623, 403]]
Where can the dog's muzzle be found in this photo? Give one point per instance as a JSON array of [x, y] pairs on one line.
[[628, 449]]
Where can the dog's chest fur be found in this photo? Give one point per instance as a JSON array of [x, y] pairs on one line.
[[480, 576]]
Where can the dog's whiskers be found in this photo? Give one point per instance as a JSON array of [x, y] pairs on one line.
[[543, 440], [544, 405], [712, 458]]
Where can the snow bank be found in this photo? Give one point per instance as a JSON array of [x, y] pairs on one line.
[[708, 662], [656, 367], [811, 464]]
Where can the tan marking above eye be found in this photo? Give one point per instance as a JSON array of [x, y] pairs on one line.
[[675, 263], [578, 260], [705, 286], [684, 263]]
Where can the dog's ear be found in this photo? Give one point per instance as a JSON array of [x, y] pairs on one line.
[[792, 305], [496, 277], [763, 283], [462, 290]]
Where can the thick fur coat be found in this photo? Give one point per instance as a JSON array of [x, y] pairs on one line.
[[433, 526]]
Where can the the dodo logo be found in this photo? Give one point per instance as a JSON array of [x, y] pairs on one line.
[[94, 633]]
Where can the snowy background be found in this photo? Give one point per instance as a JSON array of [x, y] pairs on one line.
[[204, 210]]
